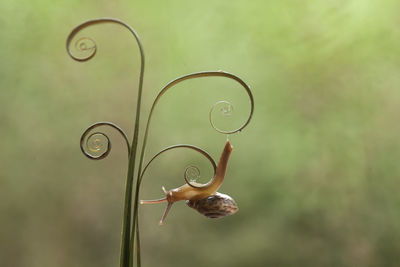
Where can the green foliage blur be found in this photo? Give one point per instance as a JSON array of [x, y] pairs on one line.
[[315, 174]]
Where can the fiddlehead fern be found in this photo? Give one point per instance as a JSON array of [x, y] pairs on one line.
[[191, 174], [222, 108]]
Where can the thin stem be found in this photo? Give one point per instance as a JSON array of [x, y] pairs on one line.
[[138, 258]]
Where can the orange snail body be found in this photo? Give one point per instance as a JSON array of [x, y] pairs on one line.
[[203, 198]]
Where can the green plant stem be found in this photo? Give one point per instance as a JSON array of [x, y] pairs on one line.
[[127, 254], [126, 224]]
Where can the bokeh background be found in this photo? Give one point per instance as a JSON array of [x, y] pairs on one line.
[[315, 174]]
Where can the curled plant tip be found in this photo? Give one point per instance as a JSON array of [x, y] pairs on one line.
[[86, 48], [226, 111], [97, 145], [222, 110], [192, 173], [85, 44]]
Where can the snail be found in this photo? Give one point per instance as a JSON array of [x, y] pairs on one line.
[[203, 198]]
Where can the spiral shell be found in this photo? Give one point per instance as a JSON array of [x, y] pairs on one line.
[[214, 206]]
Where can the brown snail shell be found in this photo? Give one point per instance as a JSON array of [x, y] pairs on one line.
[[214, 206]]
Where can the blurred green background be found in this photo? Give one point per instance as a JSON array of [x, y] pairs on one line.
[[315, 174]]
